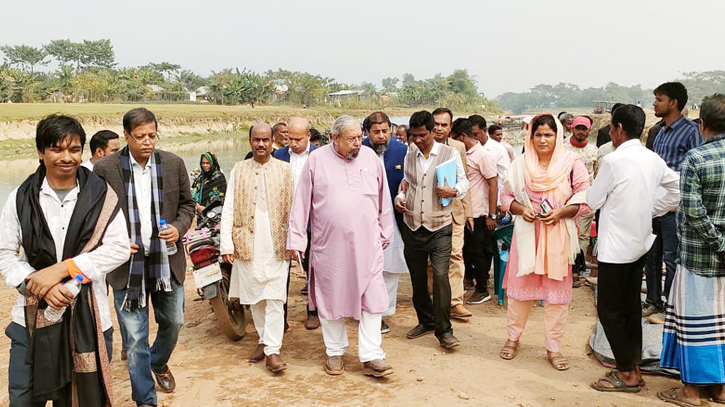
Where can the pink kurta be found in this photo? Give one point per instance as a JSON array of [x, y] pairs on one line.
[[351, 219], [535, 286]]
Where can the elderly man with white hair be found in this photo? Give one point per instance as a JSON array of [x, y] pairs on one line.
[[342, 191]]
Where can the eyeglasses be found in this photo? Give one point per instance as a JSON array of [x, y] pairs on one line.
[[352, 140], [141, 137]]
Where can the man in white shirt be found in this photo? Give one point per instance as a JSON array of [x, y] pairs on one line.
[[296, 152], [626, 191], [88, 242], [495, 131], [103, 143]]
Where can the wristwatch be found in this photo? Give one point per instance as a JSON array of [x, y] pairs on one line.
[[494, 216]]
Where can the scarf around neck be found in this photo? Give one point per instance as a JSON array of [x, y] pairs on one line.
[[68, 356], [554, 183], [157, 272]]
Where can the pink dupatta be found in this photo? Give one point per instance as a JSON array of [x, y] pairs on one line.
[[552, 257]]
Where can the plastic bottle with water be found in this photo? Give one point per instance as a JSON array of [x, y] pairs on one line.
[[52, 314], [170, 247]]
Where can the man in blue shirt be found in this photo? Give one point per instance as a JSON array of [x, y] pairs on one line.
[[677, 136]]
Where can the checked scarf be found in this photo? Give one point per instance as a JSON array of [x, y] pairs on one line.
[[159, 272]]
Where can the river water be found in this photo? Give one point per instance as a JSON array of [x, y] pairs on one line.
[[228, 152]]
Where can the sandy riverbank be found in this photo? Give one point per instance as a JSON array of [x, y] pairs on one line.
[[212, 371]]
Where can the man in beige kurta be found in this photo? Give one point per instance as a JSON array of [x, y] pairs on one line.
[[253, 237]]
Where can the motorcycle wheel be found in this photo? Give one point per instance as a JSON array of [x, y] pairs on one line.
[[229, 314]]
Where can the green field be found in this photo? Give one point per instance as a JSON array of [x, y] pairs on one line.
[[98, 111]]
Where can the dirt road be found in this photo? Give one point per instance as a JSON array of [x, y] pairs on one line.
[[210, 370]]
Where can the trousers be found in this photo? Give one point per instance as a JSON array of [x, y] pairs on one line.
[[369, 337], [620, 311], [268, 318], [555, 315]]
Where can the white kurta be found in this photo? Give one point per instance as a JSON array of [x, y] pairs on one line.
[[393, 257], [265, 276]]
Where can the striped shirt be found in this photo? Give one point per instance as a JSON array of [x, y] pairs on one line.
[[701, 215], [675, 140]]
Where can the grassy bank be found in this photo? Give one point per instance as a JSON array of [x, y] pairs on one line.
[[96, 111], [178, 123]]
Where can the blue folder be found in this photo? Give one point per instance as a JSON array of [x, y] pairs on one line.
[[447, 171]]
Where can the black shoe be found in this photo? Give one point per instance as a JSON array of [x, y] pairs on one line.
[[478, 297], [448, 341], [384, 328], [419, 331], [165, 380]]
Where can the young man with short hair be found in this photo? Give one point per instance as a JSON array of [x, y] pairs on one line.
[[428, 227], [103, 143], [675, 138], [68, 224], [478, 248], [624, 190]]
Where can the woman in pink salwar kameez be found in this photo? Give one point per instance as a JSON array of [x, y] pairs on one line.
[[544, 243]]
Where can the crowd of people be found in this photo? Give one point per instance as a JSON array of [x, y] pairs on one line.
[[427, 199]]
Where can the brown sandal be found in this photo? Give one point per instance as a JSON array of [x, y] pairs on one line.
[[558, 361], [509, 350]]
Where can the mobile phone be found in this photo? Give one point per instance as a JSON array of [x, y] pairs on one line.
[[546, 206]]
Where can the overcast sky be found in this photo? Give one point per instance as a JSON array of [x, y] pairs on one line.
[[508, 45]]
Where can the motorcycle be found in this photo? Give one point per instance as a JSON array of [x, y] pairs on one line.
[[211, 274]]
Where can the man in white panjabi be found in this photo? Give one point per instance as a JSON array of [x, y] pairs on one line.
[[253, 237]]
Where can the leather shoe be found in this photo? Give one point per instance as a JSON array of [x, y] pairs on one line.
[[419, 331], [460, 312], [275, 363], [165, 380], [377, 368], [258, 354], [312, 322], [335, 365], [448, 341]]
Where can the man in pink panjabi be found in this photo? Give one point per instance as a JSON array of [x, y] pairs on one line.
[[343, 192]]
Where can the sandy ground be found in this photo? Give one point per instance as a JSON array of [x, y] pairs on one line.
[[211, 370]]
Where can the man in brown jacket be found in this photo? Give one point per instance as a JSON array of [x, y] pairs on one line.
[[461, 213], [152, 185], [254, 227]]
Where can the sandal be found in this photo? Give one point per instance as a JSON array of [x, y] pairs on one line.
[[619, 385], [558, 361], [670, 396], [509, 350]]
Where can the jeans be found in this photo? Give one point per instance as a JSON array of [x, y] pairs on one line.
[[618, 306], [419, 246], [20, 374], [169, 314], [478, 252], [664, 247]]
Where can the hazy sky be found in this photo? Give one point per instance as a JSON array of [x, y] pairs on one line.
[[509, 45]]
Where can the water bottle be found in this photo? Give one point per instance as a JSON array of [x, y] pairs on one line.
[[74, 286], [170, 247]]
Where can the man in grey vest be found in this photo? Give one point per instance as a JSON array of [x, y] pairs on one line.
[[427, 232]]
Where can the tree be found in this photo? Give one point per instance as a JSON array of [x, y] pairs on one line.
[[408, 79], [65, 51], [190, 80], [98, 54], [390, 85], [25, 56], [166, 69]]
